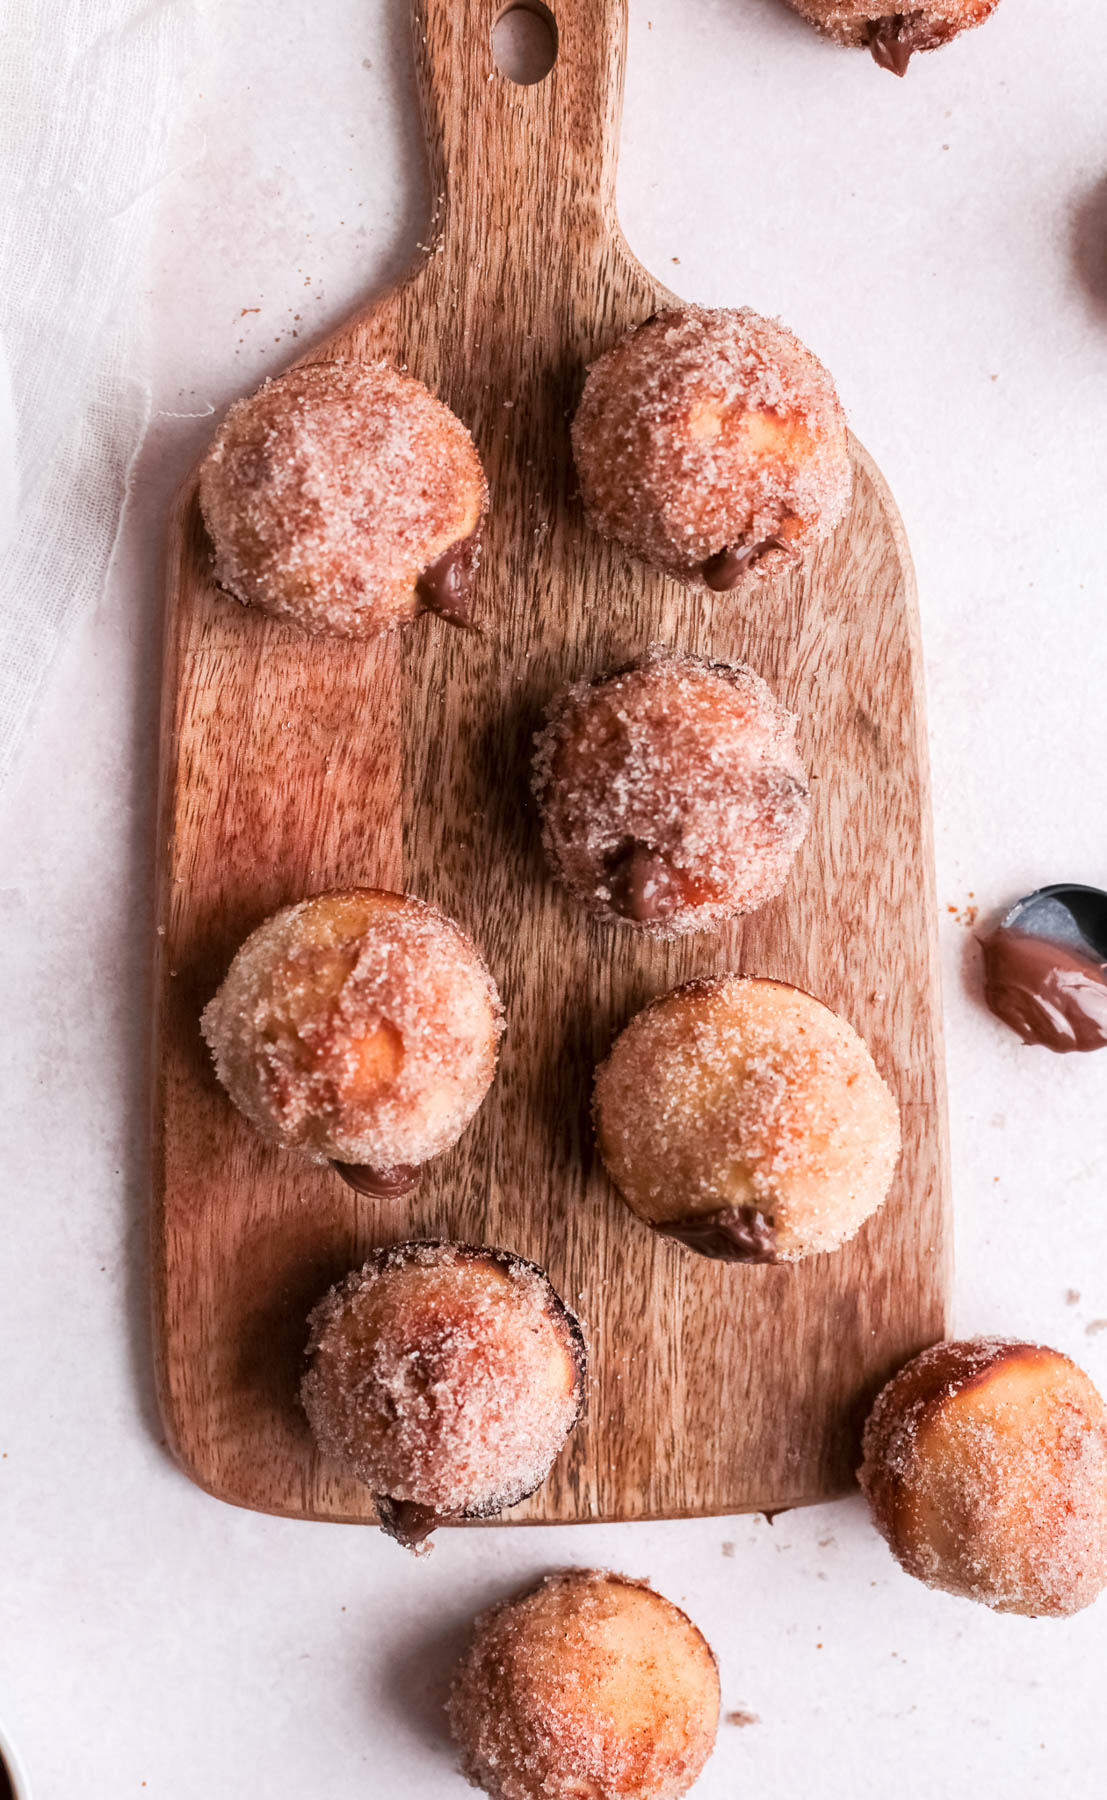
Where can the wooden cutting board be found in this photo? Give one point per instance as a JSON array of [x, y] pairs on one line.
[[290, 765]]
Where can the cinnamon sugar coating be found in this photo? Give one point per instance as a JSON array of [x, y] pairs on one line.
[[985, 1467], [444, 1377], [589, 1687], [689, 765], [747, 1120], [894, 37], [330, 492], [359, 1026], [711, 444]]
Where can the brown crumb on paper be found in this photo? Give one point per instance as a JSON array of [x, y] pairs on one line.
[[967, 914], [739, 1717]]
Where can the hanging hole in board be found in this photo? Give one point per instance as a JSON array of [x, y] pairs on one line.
[[524, 42]]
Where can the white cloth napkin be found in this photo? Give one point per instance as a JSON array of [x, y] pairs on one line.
[[88, 89]]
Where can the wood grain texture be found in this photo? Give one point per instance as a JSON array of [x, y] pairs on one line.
[[292, 765]]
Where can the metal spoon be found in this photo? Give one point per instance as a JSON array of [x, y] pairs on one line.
[[1065, 913]]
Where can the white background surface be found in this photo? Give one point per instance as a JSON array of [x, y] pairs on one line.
[[942, 243]]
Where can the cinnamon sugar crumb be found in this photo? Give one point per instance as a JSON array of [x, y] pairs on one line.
[[967, 914]]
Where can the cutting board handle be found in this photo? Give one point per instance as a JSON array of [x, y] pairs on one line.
[[506, 158]]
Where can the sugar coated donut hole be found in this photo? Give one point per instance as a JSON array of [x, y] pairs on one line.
[[712, 445], [985, 1467], [672, 794], [589, 1687], [344, 498], [893, 37], [746, 1120], [359, 1027], [446, 1378]]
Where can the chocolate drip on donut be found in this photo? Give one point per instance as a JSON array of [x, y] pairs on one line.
[[886, 45], [726, 568], [378, 1184], [409, 1523], [733, 1234], [445, 586], [645, 887]]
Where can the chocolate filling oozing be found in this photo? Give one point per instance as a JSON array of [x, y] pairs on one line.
[[444, 588], [379, 1184], [887, 47], [1047, 992], [726, 568], [733, 1234], [645, 888], [409, 1523]]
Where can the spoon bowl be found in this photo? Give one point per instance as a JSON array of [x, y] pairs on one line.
[[1066, 913]]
